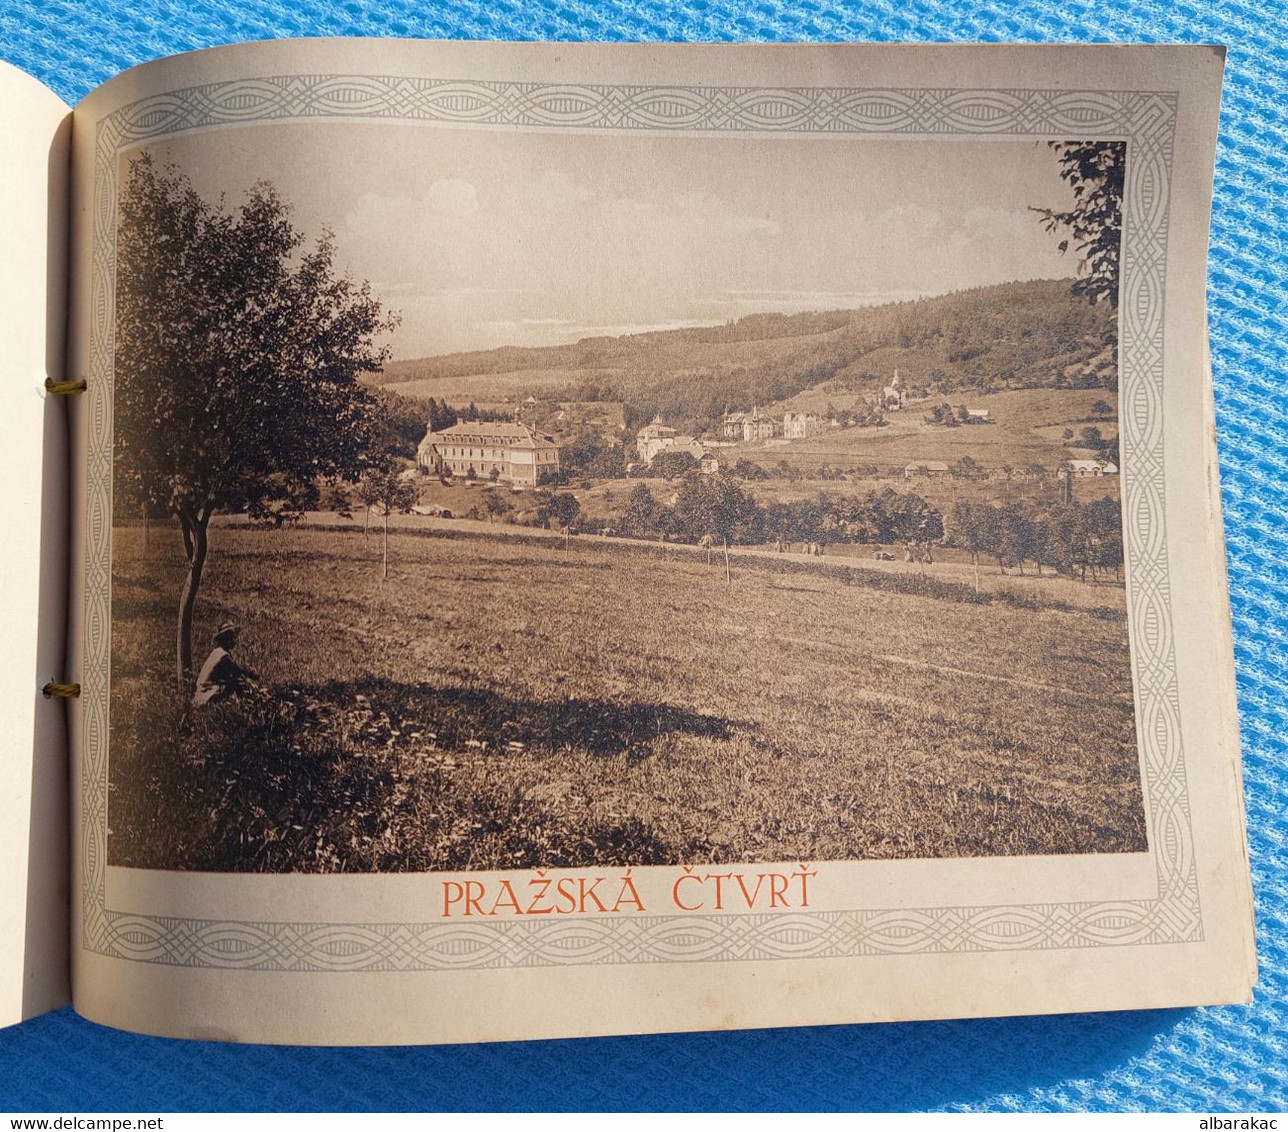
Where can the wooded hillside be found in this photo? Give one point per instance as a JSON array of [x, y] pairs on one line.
[[1014, 335]]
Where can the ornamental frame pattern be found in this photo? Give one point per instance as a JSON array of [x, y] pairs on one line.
[[1144, 119]]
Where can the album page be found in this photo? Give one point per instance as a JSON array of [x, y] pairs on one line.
[[592, 539]]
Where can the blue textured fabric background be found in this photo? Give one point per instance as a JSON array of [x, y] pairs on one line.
[[1216, 1059]]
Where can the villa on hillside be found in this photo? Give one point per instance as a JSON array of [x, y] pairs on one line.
[[504, 450], [797, 426], [750, 426], [656, 438], [731, 426]]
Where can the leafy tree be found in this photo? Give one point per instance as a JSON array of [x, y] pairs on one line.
[[1105, 525], [441, 415], [1068, 546], [336, 498], [590, 455], [1101, 409], [403, 423], [388, 493], [560, 510], [1096, 171], [495, 504], [1090, 437], [1013, 538], [745, 469], [970, 531], [715, 506], [914, 520], [671, 465], [640, 511], [237, 364]]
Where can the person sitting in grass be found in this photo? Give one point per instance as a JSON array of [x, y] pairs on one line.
[[221, 677]]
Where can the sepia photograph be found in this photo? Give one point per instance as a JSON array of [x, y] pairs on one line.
[[507, 499]]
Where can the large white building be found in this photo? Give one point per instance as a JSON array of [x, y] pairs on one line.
[[516, 453]]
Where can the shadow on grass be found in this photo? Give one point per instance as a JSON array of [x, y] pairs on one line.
[[461, 715], [367, 776]]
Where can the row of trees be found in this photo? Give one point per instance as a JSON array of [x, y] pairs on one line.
[[1073, 538], [554, 510], [716, 506], [1069, 538]]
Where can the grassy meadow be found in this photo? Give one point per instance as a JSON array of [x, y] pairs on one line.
[[509, 703]]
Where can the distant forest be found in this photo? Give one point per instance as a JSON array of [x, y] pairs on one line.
[[1014, 335]]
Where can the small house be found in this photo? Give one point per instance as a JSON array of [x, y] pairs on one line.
[[1084, 468], [932, 469]]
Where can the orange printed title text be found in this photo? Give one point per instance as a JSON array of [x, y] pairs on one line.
[[703, 889]]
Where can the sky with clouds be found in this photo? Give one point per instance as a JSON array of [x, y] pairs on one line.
[[484, 238]]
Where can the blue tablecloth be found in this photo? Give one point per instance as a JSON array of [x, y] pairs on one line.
[[1217, 1059]]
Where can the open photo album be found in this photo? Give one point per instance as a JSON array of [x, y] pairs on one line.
[[536, 540]]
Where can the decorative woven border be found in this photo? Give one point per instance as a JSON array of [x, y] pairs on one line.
[[1145, 119]]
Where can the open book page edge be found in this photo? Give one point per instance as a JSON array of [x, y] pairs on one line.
[[176, 922], [1224, 632], [33, 567]]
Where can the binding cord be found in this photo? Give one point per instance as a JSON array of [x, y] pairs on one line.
[[61, 691], [65, 387]]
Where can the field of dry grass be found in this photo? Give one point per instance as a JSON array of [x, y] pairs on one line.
[[509, 703]]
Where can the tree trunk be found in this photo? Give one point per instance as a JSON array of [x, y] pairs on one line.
[[975, 563], [196, 543], [385, 567], [728, 577], [366, 522]]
